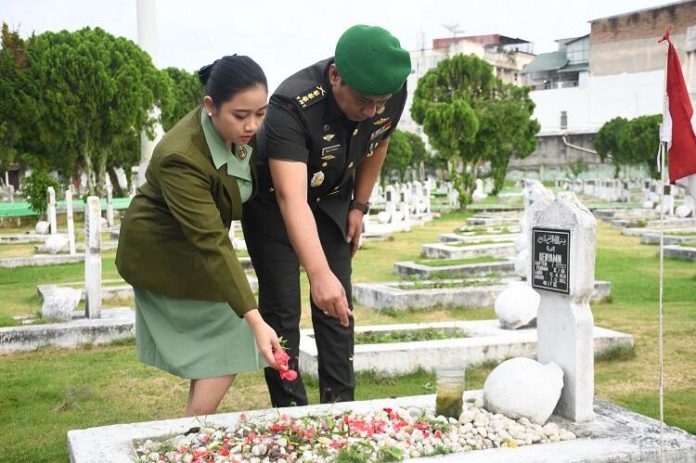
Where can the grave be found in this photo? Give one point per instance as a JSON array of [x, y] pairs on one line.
[[431, 268], [680, 252], [615, 434], [486, 341], [408, 295], [464, 250]]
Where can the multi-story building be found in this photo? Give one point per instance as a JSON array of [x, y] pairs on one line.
[[576, 92]]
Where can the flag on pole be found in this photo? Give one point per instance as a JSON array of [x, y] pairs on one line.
[[678, 124]]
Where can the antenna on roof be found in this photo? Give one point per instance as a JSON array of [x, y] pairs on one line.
[[453, 28]]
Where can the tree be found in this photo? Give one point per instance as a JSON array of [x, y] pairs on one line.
[[398, 156], [13, 62], [472, 117], [35, 188], [638, 142], [92, 92], [187, 93], [607, 142]]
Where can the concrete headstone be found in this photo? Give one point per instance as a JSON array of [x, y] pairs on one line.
[[93, 264], [61, 303], [56, 243], [563, 242]]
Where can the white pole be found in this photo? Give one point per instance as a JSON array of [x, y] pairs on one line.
[[71, 221]]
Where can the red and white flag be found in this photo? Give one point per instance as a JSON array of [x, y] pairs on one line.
[[678, 124]]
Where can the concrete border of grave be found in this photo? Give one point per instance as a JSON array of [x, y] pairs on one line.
[[492, 219], [458, 238], [653, 237], [452, 251], [615, 434], [680, 252], [398, 295], [411, 268], [486, 341], [114, 324], [40, 260]]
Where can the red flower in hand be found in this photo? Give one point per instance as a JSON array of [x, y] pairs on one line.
[[282, 358]]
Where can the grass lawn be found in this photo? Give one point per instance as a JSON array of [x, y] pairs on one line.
[[45, 393]]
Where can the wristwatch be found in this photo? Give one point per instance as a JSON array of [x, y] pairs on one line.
[[362, 207]]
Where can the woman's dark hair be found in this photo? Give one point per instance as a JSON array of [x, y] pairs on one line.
[[230, 75]]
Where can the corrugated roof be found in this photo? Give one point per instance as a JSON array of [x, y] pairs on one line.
[[575, 67], [547, 62]]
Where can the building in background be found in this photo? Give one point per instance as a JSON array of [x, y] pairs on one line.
[[576, 92]]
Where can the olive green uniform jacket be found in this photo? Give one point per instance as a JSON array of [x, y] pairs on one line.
[[174, 236]]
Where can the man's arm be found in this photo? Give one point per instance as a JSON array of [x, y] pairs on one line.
[[365, 179], [290, 183]]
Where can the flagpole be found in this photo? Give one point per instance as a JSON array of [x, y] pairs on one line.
[[663, 155]]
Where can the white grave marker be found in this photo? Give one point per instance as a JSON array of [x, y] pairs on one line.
[[52, 221], [71, 221], [93, 262], [563, 260], [109, 205]]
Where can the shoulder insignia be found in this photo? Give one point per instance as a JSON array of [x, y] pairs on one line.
[[311, 96]]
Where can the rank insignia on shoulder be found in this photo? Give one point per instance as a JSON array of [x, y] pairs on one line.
[[380, 121], [317, 179], [311, 96], [380, 131]]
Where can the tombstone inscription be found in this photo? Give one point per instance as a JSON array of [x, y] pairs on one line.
[[550, 259]]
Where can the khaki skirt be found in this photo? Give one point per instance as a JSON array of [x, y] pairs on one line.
[[193, 339]]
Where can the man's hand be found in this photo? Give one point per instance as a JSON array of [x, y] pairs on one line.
[[355, 219], [328, 294]]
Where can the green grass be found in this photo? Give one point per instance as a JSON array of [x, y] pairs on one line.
[[464, 244], [44, 394], [469, 261], [386, 337]]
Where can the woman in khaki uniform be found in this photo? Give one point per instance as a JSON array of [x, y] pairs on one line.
[[196, 316]]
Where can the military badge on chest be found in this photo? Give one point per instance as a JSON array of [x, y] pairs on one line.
[[317, 179]]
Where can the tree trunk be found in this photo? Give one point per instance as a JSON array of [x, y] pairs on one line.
[[101, 185], [118, 191], [90, 171]]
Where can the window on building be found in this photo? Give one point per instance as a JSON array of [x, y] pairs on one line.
[[564, 119]]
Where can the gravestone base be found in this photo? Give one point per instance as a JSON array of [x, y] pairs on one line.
[[114, 324], [486, 341], [21, 238], [452, 251], [614, 435]]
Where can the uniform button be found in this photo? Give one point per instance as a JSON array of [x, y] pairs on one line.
[[324, 164], [271, 190], [350, 165], [318, 199]]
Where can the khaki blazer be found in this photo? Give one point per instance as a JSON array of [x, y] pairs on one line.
[[174, 236]]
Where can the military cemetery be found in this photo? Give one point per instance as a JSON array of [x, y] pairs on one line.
[[523, 278]]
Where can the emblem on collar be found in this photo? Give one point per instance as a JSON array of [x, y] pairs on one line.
[[329, 136], [311, 96], [380, 121]]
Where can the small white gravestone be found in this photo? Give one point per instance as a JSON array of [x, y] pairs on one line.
[[478, 194], [109, 205], [71, 221], [56, 243], [516, 306], [61, 303], [93, 264], [42, 227], [522, 387], [563, 243], [52, 221]]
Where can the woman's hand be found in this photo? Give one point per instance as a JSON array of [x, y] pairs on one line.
[[266, 338]]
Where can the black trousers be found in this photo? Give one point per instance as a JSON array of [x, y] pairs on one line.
[[278, 270]]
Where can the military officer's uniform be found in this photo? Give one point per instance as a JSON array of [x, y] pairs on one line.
[[305, 124]]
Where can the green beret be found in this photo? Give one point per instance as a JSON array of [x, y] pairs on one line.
[[371, 60]]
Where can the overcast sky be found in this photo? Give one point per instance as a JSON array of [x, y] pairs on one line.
[[284, 36]]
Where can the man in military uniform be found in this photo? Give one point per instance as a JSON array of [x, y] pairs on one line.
[[320, 152]]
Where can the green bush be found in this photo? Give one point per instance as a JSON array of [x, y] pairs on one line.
[[35, 187]]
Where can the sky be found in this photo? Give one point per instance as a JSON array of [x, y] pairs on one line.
[[285, 36]]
